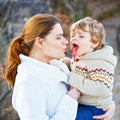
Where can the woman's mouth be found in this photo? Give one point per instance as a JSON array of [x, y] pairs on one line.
[[74, 51]]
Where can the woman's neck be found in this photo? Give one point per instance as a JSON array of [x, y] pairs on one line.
[[39, 57]]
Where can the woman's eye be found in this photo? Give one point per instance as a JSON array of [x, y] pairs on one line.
[[58, 38]]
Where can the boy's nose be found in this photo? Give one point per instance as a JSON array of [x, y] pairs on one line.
[[75, 37]]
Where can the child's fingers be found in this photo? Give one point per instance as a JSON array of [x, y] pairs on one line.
[[106, 108], [101, 117]]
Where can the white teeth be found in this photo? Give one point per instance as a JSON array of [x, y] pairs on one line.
[[75, 44]]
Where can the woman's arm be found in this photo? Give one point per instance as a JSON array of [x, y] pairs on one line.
[[31, 104]]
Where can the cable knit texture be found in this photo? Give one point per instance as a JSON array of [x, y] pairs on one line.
[[40, 91], [93, 75]]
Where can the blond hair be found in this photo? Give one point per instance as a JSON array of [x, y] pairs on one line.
[[92, 26]]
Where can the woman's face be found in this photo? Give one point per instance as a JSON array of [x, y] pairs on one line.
[[54, 44]]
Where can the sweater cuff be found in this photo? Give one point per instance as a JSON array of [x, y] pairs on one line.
[[68, 105]]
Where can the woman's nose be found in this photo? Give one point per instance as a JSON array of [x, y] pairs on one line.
[[65, 41]]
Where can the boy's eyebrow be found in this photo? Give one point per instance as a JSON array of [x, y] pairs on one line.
[[80, 33]]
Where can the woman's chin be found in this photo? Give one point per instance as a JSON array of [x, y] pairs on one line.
[[61, 56]]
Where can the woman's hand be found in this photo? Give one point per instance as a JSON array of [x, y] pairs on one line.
[[109, 111], [74, 93]]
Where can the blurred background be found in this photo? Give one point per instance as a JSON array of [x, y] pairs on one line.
[[14, 13]]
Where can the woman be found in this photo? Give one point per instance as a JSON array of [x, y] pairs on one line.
[[39, 80]]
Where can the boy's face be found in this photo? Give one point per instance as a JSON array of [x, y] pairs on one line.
[[81, 43]]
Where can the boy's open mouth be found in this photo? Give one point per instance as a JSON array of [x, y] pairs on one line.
[[74, 51]]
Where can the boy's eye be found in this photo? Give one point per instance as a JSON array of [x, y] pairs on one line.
[[81, 36], [72, 35]]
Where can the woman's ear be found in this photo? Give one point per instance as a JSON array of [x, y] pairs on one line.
[[39, 41]]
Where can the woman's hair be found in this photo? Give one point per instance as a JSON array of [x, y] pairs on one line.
[[38, 25], [92, 26]]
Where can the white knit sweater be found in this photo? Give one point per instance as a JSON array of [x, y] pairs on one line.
[[40, 91]]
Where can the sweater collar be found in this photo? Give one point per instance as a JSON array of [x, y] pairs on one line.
[[46, 72], [105, 54], [32, 61]]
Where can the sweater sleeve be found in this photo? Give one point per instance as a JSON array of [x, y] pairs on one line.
[[66, 109], [31, 107], [62, 66], [98, 83]]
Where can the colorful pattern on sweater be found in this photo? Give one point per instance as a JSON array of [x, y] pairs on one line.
[[98, 74]]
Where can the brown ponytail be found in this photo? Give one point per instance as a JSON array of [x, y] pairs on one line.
[[16, 47]]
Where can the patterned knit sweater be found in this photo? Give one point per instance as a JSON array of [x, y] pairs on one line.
[[93, 75]]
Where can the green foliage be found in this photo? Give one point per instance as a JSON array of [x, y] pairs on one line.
[[87, 11], [59, 4], [77, 9], [82, 12], [108, 14]]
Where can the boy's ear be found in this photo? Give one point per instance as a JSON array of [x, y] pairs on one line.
[[94, 45], [38, 41]]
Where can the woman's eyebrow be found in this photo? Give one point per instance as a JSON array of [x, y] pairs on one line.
[[60, 34]]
